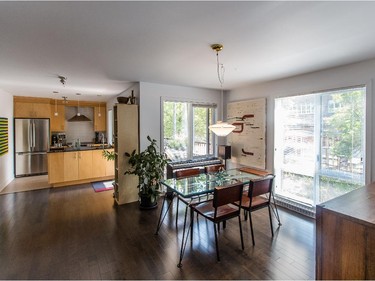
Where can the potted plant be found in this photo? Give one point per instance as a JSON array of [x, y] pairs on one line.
[[109, 155], [149, 166]]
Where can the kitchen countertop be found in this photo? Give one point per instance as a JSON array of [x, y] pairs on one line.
[[82, 148]]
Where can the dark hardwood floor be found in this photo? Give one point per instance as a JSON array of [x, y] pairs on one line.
[[75, 233]]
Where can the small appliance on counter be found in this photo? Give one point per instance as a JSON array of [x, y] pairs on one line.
[[100, 137], [58, 139]]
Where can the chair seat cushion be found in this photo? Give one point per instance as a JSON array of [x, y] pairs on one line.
[[207, 210]]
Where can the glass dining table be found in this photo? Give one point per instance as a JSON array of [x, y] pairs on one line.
[[203, 184]]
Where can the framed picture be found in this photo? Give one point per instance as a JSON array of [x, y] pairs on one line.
[[3, 135], [248, 140]]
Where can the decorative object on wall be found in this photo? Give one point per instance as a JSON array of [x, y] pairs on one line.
[[248, 140], [221, 128], [3, 135]]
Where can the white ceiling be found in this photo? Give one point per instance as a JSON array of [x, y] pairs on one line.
[[102, 47]]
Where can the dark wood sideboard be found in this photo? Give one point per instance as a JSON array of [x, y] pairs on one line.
[[345, 236]]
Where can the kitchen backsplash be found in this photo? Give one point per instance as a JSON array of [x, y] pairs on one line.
[[82, 130]]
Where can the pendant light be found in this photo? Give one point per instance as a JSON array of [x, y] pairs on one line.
[[56, 112], [221, 129], [99, 114]]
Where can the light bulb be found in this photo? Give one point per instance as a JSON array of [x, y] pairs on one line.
[[56, 114]]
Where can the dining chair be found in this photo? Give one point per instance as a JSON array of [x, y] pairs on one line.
[[213, 168], [180, 174], [258, 197], [220, 209]]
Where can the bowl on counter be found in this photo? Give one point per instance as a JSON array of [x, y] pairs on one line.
[[123, 99]]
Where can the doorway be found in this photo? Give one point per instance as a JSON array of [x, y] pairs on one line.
[[319, 146]]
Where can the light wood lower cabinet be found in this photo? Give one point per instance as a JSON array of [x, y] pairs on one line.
[[77, 165], [101, 166], [55, 167], [85, 165], [72, 167]]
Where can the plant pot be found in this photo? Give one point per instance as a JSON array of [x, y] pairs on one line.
[[147, 202]]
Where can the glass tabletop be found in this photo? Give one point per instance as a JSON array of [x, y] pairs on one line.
[[206, 183]]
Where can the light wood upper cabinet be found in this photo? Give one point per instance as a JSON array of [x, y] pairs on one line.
[[32, 109], [57, 123], [100, 121]]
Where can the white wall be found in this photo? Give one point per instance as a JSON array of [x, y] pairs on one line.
[[351, 75], [150, 104], [6, 160]]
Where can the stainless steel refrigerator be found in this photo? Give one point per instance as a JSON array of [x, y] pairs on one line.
[[31, 146]]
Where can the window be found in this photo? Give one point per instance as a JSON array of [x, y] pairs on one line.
[[185, 129], [319, 150]]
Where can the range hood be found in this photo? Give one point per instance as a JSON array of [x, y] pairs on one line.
[[79, 118]]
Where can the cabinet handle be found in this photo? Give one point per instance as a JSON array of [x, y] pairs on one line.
[[79, 155]]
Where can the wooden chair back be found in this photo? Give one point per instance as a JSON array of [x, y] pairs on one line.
[[224, 195], [213, 168], [261, 186], [184, 173]]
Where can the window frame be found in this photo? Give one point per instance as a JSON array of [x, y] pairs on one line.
[[193, 103]]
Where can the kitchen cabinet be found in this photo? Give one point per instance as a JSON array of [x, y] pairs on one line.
[[110, 167], [25, 107], [85, 164], [71, 166], [81, 166], [100, 119], [55, 167], [77, 165], [57, 123], [126, 138], [100, 165]]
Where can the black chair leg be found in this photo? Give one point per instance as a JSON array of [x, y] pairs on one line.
[[251, 227], [192, 224], [178, 200], [269, 212], [217, 244], [240, 225]]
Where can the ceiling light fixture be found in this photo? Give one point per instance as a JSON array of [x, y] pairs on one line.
[[221, 129], [62, 79]]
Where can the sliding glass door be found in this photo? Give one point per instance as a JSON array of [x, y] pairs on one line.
[[319, 145]]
